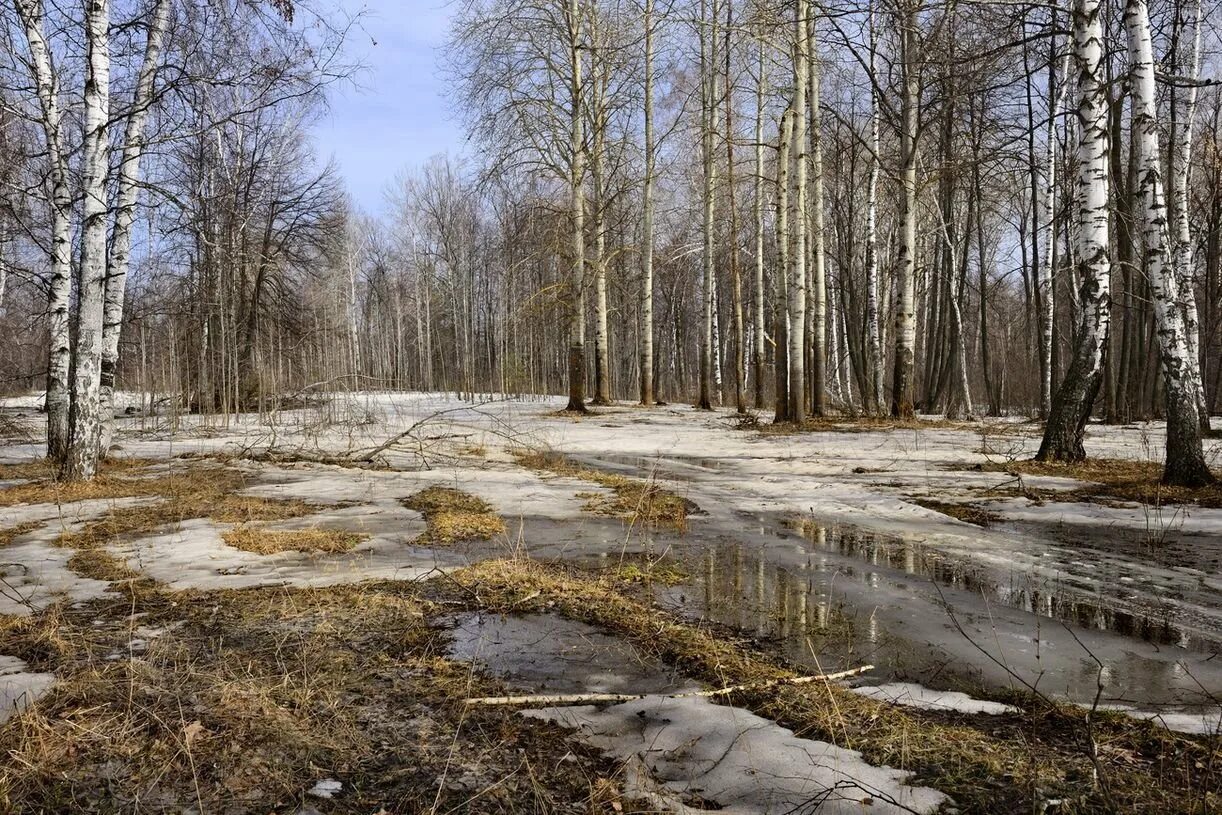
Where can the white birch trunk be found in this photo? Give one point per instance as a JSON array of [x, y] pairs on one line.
[[758, 205], [874, 348], [577, 170], [905, 302], [647, 383], [797, 277], [85, 415], [818, 272], [60, 282], [708, 74], [125, 216], [1184, 103], [1045, 271], [1185, 464]]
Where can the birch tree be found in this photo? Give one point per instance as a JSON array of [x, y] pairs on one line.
[[903, 381], [59, 284], [1071, 407], [84, 432], [647, 226], [797, 260], [119, 257], [1185, 462]]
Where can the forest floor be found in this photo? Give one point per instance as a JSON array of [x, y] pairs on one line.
[[291, 612]]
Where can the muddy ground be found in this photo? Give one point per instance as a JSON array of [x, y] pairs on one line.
[[291, 612]]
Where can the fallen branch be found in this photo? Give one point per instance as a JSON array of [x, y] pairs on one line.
[[555, 700]]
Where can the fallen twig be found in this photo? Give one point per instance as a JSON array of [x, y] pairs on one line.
[[555, 700]]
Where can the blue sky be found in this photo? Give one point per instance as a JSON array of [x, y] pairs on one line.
[[397, 116]]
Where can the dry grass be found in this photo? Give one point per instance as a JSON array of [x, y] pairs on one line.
[[987, 764], [11, 533], [262, 541], [860, 424], [1115, 479], [452, 515], [242, 700], [98, 564], [195, 491], [635, 500], [117, 478], [960, 511]]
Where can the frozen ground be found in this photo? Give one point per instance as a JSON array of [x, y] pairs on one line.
[[1046, 599]]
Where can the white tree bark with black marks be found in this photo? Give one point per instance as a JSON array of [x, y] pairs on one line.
[[647, 228], [1071, 407], [818, 271], [577, 172], [797, 261], [708, 119], [1045, 271], [760, 338], [85, 426], [1185, 464], [59, 284], [1184, 104], [874, 349], [127, 192], [905, 295]]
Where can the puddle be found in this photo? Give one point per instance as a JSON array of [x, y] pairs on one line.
[[684, 754], [842, 598], [544, 653], [699, 755]]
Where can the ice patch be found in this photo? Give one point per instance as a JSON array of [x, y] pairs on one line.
[[19, 687], [912, 695], [699, 751]]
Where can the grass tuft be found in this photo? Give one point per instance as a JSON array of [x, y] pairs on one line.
[[452, 516], [635, 500], [1114, 479], [262, 541]]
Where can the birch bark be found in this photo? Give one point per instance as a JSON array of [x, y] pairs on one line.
[[84, 422], [1071, 406], [797, 260], [125, 216], [905, 295], [1185, 463], [818, 271], [875, 396], [577, 169], [647, 385], [32, 14]]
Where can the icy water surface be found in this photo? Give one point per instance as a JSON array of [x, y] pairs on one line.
[[1022, 610]]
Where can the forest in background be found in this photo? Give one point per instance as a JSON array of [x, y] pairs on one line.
[[887, 207]]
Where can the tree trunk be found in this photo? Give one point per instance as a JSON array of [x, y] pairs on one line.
[[905, 305], [873, 396], [646, 329], [708, 86], [1064, 431], [577, 170], [758, 204], [797, 261], [1185, 464], [818, 277], [125, 216], [60, 282], [85, 414]]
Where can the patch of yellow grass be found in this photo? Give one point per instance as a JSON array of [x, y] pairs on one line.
[[98, 564], [632, 499], [272, 541], [1118, 479], [10, 533], [452, 515]]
